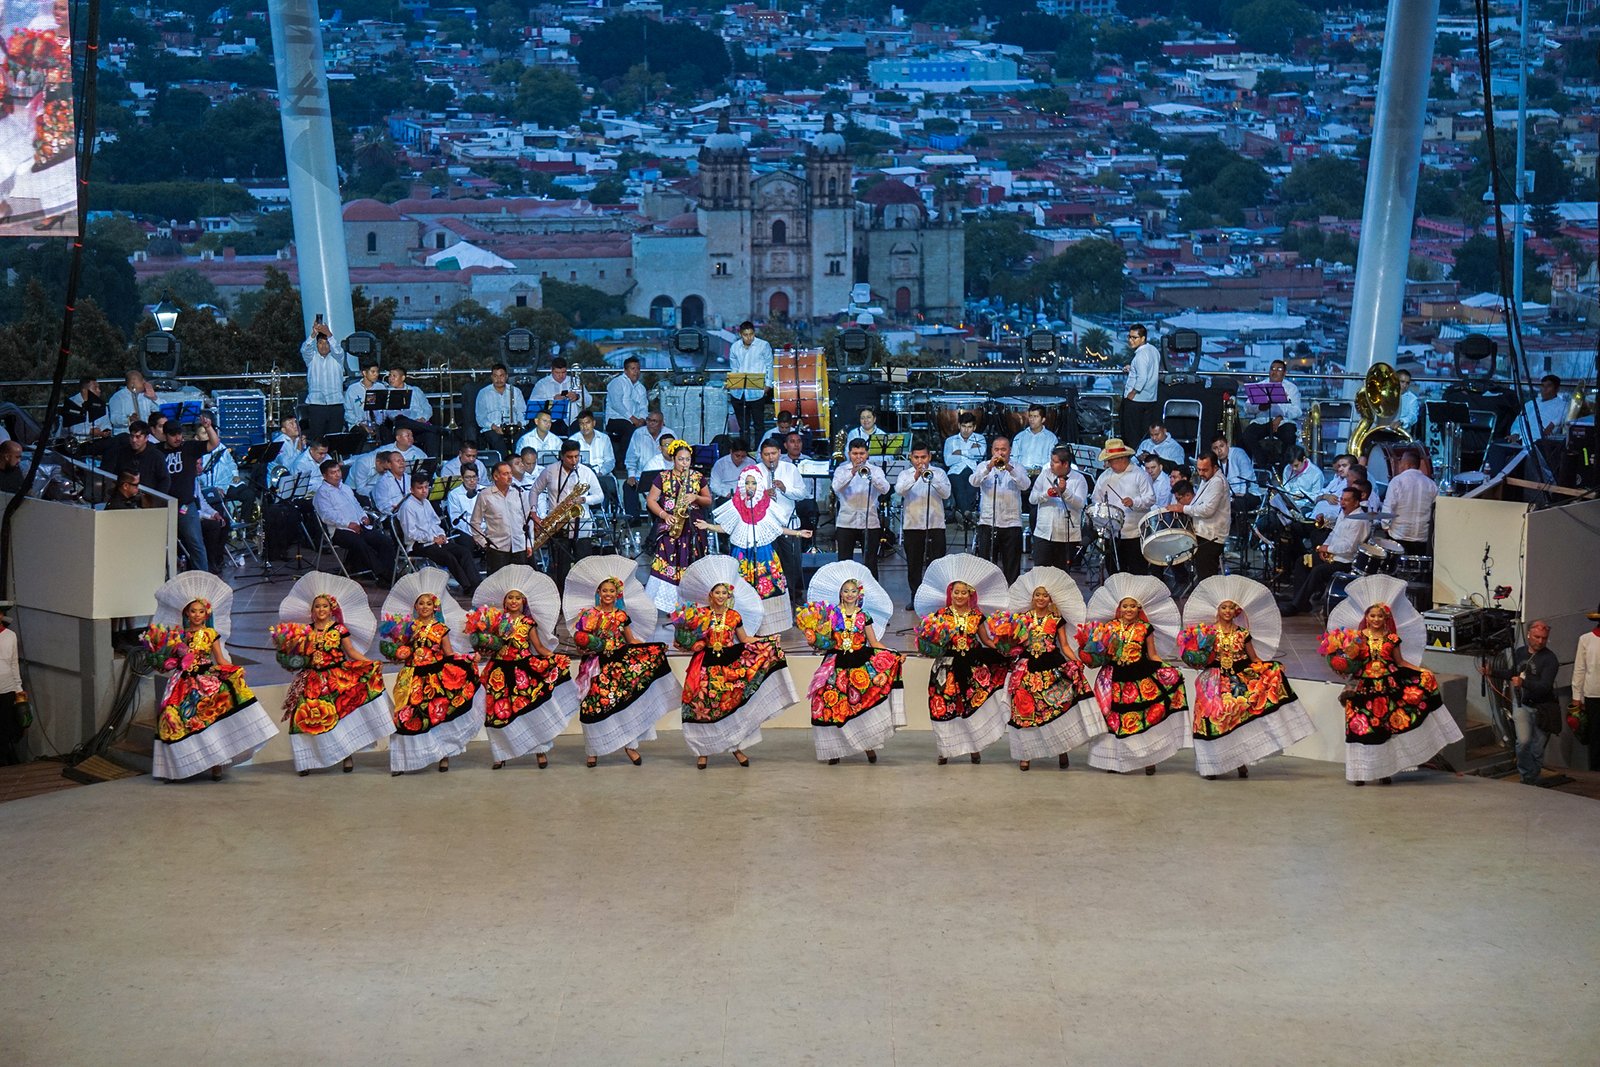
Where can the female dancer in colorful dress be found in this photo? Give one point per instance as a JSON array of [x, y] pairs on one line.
[[857, 698], [336, 705], [1142, 697], [1244, 710], [967, 685], [1394, 715], [209, 718], [529, 694], [1053, 707], [435, 713], [734, 682], [754, 518], [678, 501], [625, 684]]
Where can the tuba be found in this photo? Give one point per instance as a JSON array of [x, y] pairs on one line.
[[563, 515], [1311, 433], [1378, 405]]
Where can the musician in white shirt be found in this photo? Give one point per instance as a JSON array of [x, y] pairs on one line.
[[643, 447], [389, 490], [594, 446], [1302, 484], [1128, 489], [136, 402], [419, 526], [325, 364], [355, 398], [725, 471], [1000, 484], [858, 484], [559, 481], [866, 429], [1161, 443], [627, 405], [542, 438], [963, 451], [561, 395], [1334, 554], [460, 502], [500, 521], [414, 416], [1139, 391], [350, 527], [1031, 448], [1410, 497], [750, 355], [1058, 497], [1410, 404], [1545, 416], [466, 459], [500, 409], [784, 479], [1210, 514], [1274, 420], [923, 489], [1240, 471]]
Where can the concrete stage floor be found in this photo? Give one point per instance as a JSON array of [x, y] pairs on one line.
[[794, 913]]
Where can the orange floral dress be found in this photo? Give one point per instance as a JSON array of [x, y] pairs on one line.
[[724, 673], [202, 691], [1232, 691], [1383, 698], [516, 681], [1136, 689], [436, 686], [332, 686], [854, 677]]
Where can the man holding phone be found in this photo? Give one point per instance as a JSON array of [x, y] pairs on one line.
[[325, 366]]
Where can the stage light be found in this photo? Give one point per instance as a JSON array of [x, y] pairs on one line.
[[1182, 351], [160, 356], [688, 350], [165, 313], [1475, 357], [363, 346], [1041, 342], [854, 340], [516, 342]]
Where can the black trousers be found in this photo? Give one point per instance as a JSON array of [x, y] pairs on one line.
[[1268, 447], [847, 540], [495, 558], [1061, 554], [922, 548], [752, 418], [1207, 561], [497, 441], [12, 748], [788, 552], [1591, 740], [963, 494], [1416, 548], [1315, 583], [621, 432], [371, 548], [564, 552], [1002, 546], [454, 557], [1126, 558], [320, 420], [1137, 415]]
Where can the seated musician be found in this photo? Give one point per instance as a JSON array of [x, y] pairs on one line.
[[350, 527], [806, 512], [1333, 555], [425, 537], [787, 426], [643, 448], [459, 504], [866, 429], [500, 409], [416, 416], [1031, 448], [561, 395], [355, 399], [542, 438], [725, 472], [963, 452], [594, 446], [1274, 422], [1240, 471], [1162, 443]]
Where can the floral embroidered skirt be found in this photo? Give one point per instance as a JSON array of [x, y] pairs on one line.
[[857, 700], [1394, 723], [625, 693], [528, 700], [1052, 707], [1243, 716], [336, 712], [671, 557], [1144, 705], [209, 718], [759, 567], [435, 713], [967, 701], [727, 695]]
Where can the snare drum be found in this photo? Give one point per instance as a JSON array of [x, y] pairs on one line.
[[1167, 538], [1106, 519], [1373, 558]]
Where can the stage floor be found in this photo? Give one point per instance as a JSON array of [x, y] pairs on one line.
[[798, 913]]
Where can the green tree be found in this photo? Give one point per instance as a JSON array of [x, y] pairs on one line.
[[186, 285], [1477, 265], [547, 97], [581, 305], [119, 232], [1091, 271], [107, 278], [1325, 185], [608, 50], [995, 245], [1272, 26], [1544, 220]]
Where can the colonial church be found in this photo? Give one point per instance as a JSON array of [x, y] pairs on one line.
[[781, 245]]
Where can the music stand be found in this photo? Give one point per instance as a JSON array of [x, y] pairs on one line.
[[262, 453], [379, 400], [346, 444], [441, 487], [183, 412], [1268, 392]]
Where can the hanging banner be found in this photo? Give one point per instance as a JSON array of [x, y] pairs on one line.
[[38, 134]]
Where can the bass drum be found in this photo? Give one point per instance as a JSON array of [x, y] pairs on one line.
[[1383, 451], [948, 408], [800, 385]]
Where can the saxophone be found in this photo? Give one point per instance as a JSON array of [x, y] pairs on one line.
[[680, 510], [561, 516]]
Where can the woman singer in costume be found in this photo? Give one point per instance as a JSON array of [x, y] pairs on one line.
[[529, 693], [678, 500], [1142, 697], [967, 684], [336, 704], [857, 698], [1244, 710], [754, 518], [734, 682], [435, 710], [1053, 707], [624, 683], [209, 718], [1394, 715]]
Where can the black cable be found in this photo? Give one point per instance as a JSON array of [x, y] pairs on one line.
[[85, 159]]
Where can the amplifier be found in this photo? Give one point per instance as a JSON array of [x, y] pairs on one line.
[[241, 417], [1452, 626]]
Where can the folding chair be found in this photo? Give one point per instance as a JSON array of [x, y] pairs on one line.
[[323, 538], [1183, 423]]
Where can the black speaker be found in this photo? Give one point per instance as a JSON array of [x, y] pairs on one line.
[[850, 397]]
